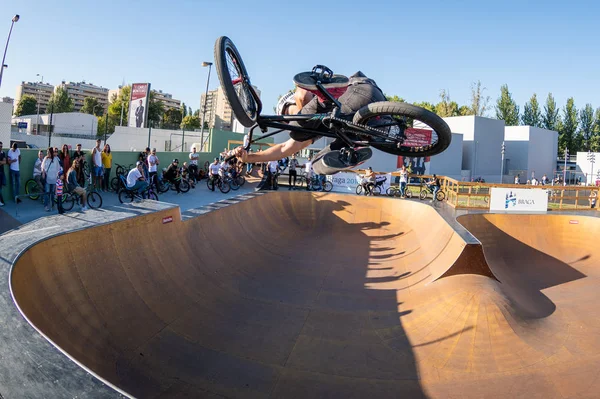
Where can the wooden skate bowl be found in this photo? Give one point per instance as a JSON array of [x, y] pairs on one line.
[[301, 295]]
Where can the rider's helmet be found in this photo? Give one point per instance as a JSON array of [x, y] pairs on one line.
[[284, 102], [176, 160]]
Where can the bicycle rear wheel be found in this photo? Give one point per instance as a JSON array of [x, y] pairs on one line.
[[240, 180], [94, 200], [359, 189], [151, 195], [423, 194], [224, 187], [125, 196], [233, 183], [235, 81], [440, 196], [327, 186], [390, 191], [184, 186], [115, 184], [410, 130], [163, 186], [376, 190], [300, 181]]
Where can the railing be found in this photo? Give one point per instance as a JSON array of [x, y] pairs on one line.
[[473, 195]]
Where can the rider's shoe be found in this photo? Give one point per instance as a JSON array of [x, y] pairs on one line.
[[336, 85], [329, 162]]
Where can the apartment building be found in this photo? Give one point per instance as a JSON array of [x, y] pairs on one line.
[[41, 91], [79, 91], [167, 99], [218, 111]]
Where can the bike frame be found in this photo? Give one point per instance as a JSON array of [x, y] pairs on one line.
[[281, 122]]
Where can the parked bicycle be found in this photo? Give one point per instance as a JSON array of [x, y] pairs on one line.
[[427, 190], [33, 189], [394, 191], [376, 188], [223, 186], [128, 195], [94, 199]]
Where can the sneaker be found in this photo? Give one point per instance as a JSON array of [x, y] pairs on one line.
[[336, 85], [85, 208], [330, 162]]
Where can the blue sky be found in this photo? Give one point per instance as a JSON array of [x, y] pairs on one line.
[[412, 49]]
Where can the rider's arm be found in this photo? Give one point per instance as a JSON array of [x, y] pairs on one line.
[[274, 153]]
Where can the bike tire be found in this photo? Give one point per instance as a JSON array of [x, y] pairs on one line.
[[234, 185], [163, 186], [240, 180], [68, 202], [327, 186], [152, 196], [390, 192], [300, 181], [376, 190], [423, 194], [440, 196], [210, 183], [224, 187], [359, 190], [32, 189], [86, 170], [125, 196], [115, 184], [408, 193], [184, 186], [237, 87], [94, 200], [371, 115]]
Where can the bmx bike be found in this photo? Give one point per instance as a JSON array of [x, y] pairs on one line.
[[391, 127]]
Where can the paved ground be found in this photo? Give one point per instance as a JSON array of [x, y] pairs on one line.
[[312, 295]]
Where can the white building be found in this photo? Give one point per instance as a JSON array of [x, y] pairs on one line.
[[530, 152], [167, 99], [5, 122], [588, 167], [218, 111], [74, 123]]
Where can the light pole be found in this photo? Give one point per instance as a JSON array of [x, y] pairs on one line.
[[37, 128], [592, 158], [2, 66], [565, 168], [503, 151], [209, 65]]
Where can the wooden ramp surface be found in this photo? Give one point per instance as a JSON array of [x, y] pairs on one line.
[[301, 295]]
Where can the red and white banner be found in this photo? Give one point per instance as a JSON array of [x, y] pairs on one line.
[[138, 104], [415, 138]]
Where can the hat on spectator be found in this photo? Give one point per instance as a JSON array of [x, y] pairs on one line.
[[138, 163]]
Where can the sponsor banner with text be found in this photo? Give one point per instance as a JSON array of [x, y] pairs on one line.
[[346, 182], [518, 200]]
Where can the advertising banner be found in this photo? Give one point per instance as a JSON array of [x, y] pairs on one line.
[[346, 182], [417, 138], [138, 104], [518, 200]]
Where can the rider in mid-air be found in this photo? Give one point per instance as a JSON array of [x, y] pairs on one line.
[[353, 94]]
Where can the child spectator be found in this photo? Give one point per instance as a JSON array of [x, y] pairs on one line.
[[59, 192]]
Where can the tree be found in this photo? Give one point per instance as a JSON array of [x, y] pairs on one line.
[[426, 105], [92, 106], [395, 99], [26, 106], [117, 104], [156, 110], [568, 128], [532, 116], [190, 111], [60, 102], [550, 118], [506, 107], [172, 118], [463, 110], [190, 122], [183, 110], [479, 102], [587, 122], [446, 107], [102, 125]]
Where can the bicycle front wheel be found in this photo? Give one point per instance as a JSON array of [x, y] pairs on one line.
[[224, 187], [235, 81], [184, 186], [376, 190], [327, 186], [403, 129], [125, 196], [234, 185], [33, 189], [390, 191], [359, 189], [68, 202], [423, 194], [94, 200], [440, 196]]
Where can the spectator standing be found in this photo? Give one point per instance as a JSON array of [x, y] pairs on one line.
[[143, 157], [308, 169], [65, 157], [37, 171], [593, 199], [152, 162], [517, 180], [107, 165], [73, 184], [249, 165], [403, 181], [14, 159], [293, 173], [545, 180], [78, 154], [272, 168], [534, 181], [98, 169], [50, 168], [3, 161], [59, 192], [193, 168], [213, 172]]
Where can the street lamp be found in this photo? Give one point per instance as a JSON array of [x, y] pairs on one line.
[[591, 158], [209, 65], [14, 19], [37, 128], [503, 150], [565, 168]]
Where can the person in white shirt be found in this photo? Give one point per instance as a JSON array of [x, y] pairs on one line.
[[193, 166], [213, 173], [292, 171], [308, 169], [403, 181], [50, 168], [37, 171], [272, 168], [153, 163], [135, 178], [517, 180], [98, 170], [14, 159]]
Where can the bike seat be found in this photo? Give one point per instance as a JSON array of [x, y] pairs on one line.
[[336, 85]]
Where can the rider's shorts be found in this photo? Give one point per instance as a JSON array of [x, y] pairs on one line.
[[361, 91], [98, 171]]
